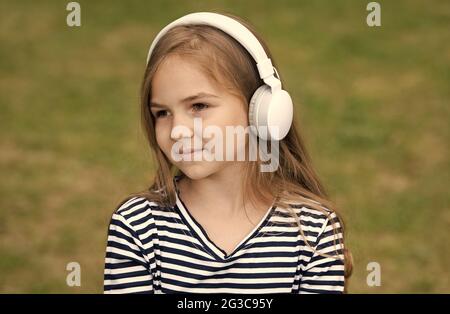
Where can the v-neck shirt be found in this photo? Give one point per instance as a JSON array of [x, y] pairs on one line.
[[159, 249], [200, 233]]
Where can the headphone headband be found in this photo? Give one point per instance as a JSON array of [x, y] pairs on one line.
[[235, 29]]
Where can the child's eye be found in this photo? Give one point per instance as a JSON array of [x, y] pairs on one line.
[[160, 113], [199, 106]]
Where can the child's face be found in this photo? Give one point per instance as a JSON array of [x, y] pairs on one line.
[[175, 80]]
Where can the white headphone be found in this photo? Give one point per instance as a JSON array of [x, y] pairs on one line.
[[270, 109]]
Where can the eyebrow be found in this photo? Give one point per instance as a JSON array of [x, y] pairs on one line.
[[188, 99]]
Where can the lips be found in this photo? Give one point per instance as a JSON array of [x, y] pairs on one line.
[[191, 151]]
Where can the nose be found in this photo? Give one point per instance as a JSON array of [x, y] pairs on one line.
[[182, 127]]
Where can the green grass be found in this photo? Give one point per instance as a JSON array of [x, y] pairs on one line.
[[373, 104]]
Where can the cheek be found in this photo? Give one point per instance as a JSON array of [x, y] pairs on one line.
[[233, 115], [163, 138], [240, 115], [224, 119]]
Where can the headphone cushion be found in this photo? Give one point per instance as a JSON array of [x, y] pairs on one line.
[[255, 104], [267, 109]]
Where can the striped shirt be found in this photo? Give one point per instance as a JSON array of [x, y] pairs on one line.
[[156, 249]]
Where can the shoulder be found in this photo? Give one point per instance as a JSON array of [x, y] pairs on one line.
[[135, 220], [309, 209], [313, 211], [134, 205], [137, 212], [314, 218]]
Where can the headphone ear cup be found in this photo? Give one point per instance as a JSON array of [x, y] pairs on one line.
[[256, 103], [269, 110]]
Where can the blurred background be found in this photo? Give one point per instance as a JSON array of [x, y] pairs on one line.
[[372, 103]]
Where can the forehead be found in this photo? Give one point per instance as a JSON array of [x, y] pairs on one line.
[[178, 77]]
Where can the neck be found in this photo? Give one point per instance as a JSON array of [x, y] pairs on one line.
[[224, 188]]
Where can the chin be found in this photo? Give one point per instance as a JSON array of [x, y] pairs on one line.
[[198, 171]]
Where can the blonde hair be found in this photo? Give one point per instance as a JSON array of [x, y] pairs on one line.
[[225, 61]]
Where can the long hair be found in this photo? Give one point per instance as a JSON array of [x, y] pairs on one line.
[[227, 62]]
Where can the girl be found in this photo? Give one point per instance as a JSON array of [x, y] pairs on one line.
[[220, 226]]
